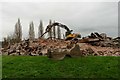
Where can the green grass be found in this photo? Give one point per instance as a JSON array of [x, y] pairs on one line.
[[43, 67], [0, 67]]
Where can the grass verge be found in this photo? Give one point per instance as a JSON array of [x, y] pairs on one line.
[[43, 67]]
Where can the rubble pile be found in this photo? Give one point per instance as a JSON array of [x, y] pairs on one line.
[[95, 45], [102, 40], [33, 48], [25, 47], [88, 49]]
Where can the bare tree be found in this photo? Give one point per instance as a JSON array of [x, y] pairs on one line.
[[4, 42], [18, 31], [59, 32], [31, 31], [8, 40], [40, 29], [63, 36], [54, 31], [50, 32]]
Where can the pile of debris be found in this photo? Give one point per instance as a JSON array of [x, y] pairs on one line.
[[88, 49], [22, 48], [95, 44], [102, 40], [33, 48]]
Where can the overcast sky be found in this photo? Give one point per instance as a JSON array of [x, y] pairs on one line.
[[81, 17]]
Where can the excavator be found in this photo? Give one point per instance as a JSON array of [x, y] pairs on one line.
[[68, 33]]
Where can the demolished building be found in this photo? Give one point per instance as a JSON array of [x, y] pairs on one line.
[[96, 45]]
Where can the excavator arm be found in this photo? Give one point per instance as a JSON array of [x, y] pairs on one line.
[[49, 27]]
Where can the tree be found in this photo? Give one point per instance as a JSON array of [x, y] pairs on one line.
[[18, 31], [8, 40], [59, 32], [31, 31], [5, 42], [54, 31], [50, 32], [40, 29], [63, 36]]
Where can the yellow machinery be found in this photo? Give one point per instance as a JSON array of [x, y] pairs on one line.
[[68, 34], [73, 36]]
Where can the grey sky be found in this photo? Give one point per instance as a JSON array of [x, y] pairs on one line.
[[82, 17]]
